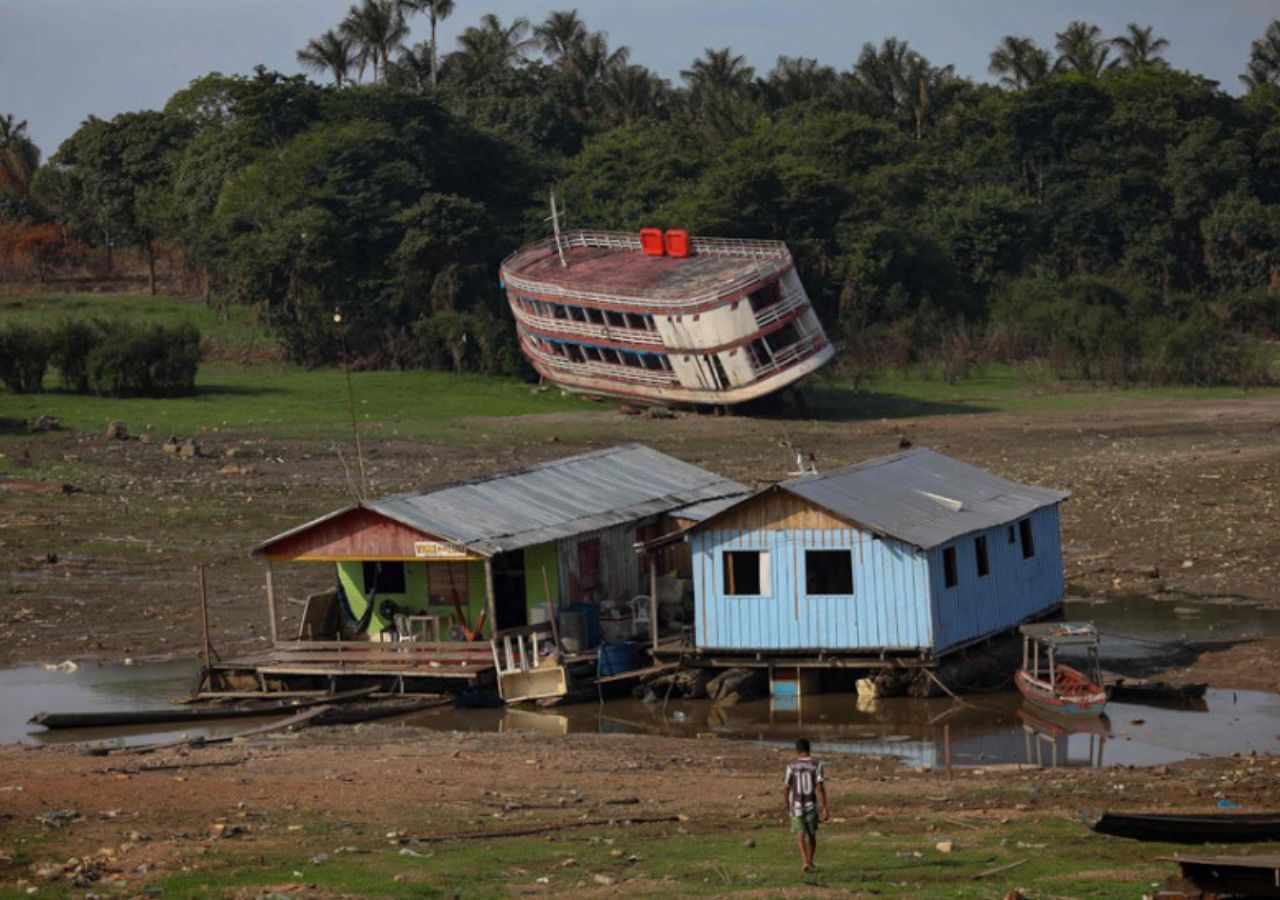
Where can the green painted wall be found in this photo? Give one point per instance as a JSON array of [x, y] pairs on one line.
[[536, 559], [351, 577]]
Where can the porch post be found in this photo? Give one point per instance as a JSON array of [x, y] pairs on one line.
[[653, 600], [271, 603], [490, 605]]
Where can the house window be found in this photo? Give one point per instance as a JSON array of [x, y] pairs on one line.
[[950, 575], [828, 572], [746, 572], [980, 553], [383, 577], [1028, 542]]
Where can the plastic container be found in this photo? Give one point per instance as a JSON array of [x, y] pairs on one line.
[[651, 242], [677, 243], [580, 626], [613, 659]]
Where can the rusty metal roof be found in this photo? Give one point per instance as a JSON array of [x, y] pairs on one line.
[[921, 496], [553, 500]]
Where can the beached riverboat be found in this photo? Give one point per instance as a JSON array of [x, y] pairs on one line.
[[664, 318]]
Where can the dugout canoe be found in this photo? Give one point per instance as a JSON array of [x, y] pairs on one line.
[[1187, 828], [178, 714]]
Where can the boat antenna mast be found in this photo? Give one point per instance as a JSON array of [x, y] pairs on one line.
[[554, 219]]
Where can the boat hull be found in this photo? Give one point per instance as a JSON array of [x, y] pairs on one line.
[[1179, 828], [1043, 694]]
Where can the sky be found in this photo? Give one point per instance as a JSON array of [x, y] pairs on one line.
[[64, 60]]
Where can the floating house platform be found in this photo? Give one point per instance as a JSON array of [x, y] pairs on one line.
[[900, 561], [453, 587], [666, 319]]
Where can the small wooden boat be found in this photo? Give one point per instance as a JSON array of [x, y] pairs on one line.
[[179, 714], [1187, 828], [1045, 681]]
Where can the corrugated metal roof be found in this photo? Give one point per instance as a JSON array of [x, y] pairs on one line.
[[554, 500], [921, 496]]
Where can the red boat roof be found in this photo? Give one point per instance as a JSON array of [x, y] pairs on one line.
[[612, 265]]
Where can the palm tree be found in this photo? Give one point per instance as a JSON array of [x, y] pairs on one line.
[[1264, 59], [720, 91], [375, 29], [560, 35], [1138, 48], [896, 78], [1019, 62], [1082, 49], [436, 12], [490, 48], [19, 156], [800, 79], [331, 52], [632, 93]]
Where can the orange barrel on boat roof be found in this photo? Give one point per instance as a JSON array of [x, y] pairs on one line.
[[677, 240], [651, 241]]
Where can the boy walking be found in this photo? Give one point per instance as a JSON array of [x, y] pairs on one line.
[[806, 796]]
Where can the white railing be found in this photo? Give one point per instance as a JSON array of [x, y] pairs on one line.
[[587, 329], [805, 347], [601, 370], [772, 258], [784, 307]]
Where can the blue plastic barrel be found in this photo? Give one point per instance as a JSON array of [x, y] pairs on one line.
[[614, 659]]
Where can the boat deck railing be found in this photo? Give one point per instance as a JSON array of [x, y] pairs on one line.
[[771, 258], [589, 329], [601, 370]]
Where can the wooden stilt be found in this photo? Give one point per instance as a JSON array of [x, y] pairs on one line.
[[653, 599], [490, 604], [207, 651], [271, 602]]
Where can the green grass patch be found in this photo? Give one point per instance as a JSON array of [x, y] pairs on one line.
[[277, 399], [895, 856], [998, 388], [233, 332]]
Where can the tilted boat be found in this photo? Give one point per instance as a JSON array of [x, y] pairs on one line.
[[1044, 680], [1187, 828], [664, 318]]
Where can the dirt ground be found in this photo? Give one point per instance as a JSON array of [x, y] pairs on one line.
[[1172, 499], [325, 809]]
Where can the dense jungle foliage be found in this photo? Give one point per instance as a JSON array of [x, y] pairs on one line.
[[1094, 208]]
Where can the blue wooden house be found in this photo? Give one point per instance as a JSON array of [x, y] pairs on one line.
[[916, 554]]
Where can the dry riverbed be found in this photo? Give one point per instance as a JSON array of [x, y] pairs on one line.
[[391, 811], [1175, 500]]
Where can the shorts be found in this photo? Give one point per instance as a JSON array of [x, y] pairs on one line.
[[805, 823]]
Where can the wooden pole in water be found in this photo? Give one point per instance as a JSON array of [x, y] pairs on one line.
[[946, 749], [271, 603], [653, 601], [490, 603], [204, 620]]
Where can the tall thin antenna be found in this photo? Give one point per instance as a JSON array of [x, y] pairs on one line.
[[554, 219], [351, 402]]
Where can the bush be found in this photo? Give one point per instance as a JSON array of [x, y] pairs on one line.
[[158, 361], [24, 356], [70, 345]]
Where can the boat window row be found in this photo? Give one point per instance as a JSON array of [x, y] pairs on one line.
[[588, 315], [1017, 534], [581, 353]]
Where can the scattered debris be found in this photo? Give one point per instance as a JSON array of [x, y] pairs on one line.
[[117, 431]]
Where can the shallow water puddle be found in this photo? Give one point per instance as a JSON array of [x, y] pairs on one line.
[[986, 729]]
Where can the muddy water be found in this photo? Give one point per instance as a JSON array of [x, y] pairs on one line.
[[987, 729]]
